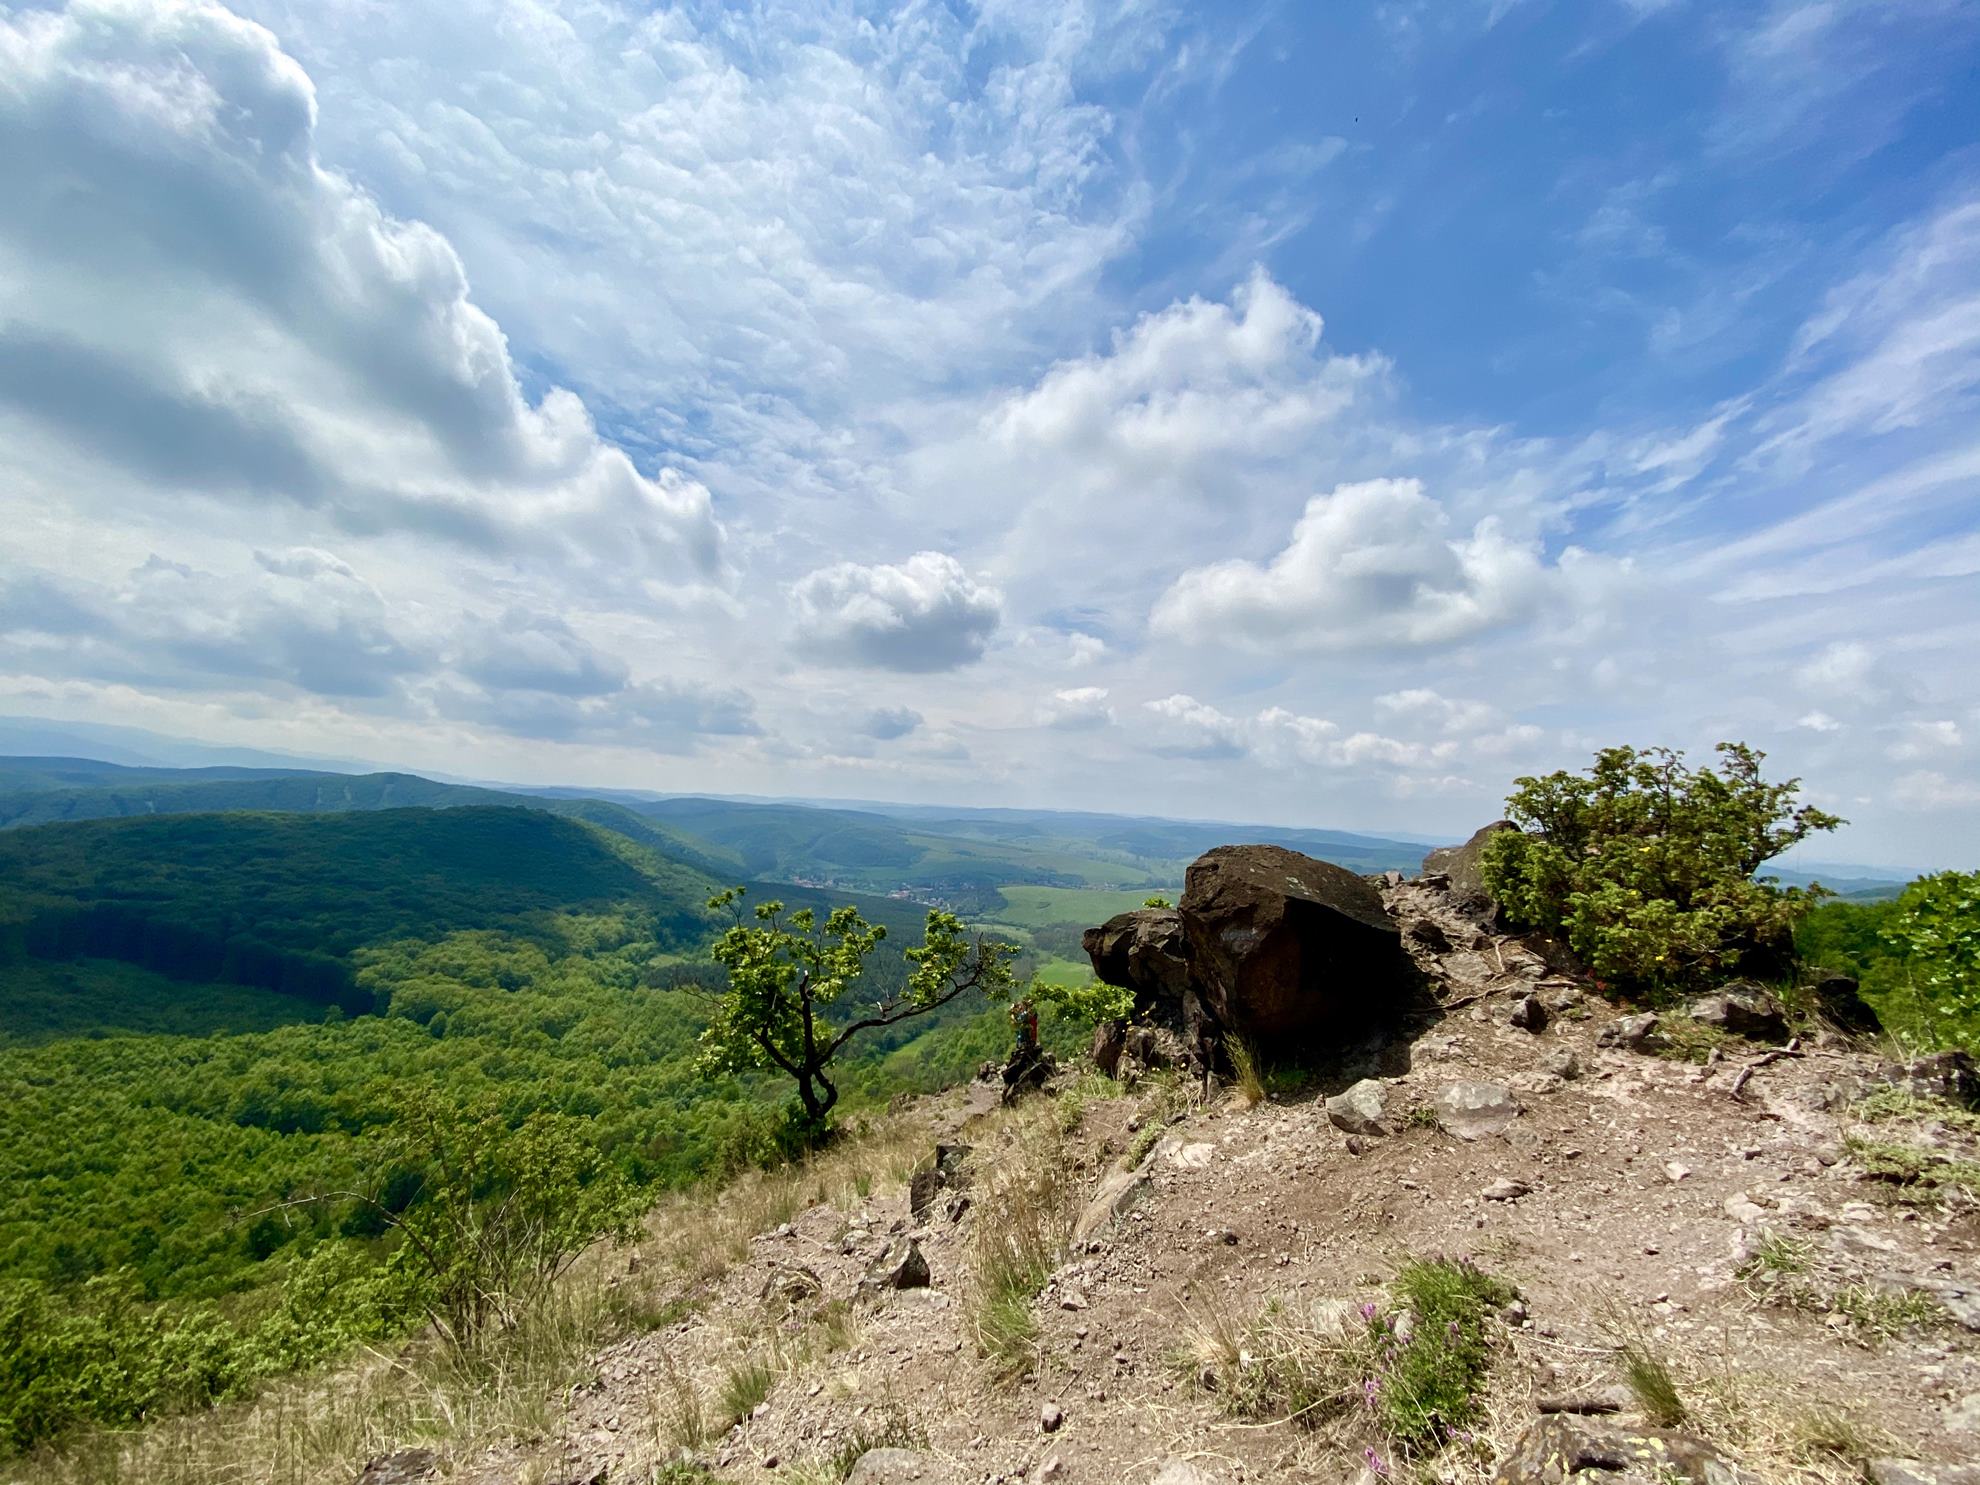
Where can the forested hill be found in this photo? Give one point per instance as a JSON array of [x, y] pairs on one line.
[[206, 1015], [39, 791]]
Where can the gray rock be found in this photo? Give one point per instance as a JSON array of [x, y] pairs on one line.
[[1528, 1014], [1947, 1075], [901, 1467], [792, 1283], [400, 1467], [1117, 1194], [1630, 1033], [1460, 866], [1560, 1449], [1474, 1111], [1180, 1472], [1051, 1417], [901, 1266], [1561, 1062], [1359, 1110], [1744, 1009], [1506, 1188]]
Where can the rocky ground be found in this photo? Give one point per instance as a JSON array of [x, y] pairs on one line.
[[1800, 1261]]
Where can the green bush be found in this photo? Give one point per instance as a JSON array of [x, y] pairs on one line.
[[1646, 866], [1933, 933]]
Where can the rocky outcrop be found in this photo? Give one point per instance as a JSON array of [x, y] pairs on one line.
[[1145, 951], [1287, 949], [1560, 1450], [1460, 866]]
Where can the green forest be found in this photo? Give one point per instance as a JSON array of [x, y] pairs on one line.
[[207, 1021]]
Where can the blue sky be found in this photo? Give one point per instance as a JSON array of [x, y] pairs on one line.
[[1317, 414]]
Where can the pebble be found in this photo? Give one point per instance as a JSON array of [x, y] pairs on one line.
[[1050, 1417]]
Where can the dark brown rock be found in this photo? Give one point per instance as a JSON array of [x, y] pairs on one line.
[[1464, 878], [1744, 1009], [1840, 1000], [1109, 1041], [1287, 947], [1145, 951], [1428, 933], [1563, 1450], [902, 1266]]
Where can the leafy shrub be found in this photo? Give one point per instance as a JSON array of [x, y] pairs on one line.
[[1934, 934], [1645, 866], [502, 1213]]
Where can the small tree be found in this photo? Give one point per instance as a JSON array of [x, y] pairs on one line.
[[787, 972], [1646, 866]]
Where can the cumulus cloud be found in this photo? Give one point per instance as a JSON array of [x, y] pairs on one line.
[[1189, 383], [539, 652], [1077, 708], [307, 622], [1184, 727], [1372, 565], [924, 614], [214, 313]]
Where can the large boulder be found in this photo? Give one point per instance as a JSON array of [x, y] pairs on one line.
[[1148, 952], [1145, 951], [1286, 948], [1461, 869]]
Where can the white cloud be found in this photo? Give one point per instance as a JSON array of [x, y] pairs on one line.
[[1925, 740], [1187, 728], [1422, 705], [1077, 708], [192, 307], [1371, 566], [924, 614], [1927, 790]]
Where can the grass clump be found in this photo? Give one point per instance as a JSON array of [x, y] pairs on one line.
[[1245, 1070], [1919, 1174], [1891, 1103], [1433, 1377], [1681, 1039], [1023, 1220], [744, 1386], [893, 1431], [1410, 1375], [1648, 1377]]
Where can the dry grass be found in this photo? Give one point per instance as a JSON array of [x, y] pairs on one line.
[[1771, 1425], [320, 1430], [1250, 1085], [1024, 1214]]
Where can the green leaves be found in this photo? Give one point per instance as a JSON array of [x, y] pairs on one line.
[[1934, 930], [1646, 866], [786, 974]]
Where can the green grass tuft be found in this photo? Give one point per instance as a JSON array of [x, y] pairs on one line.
[[1650, 1382]]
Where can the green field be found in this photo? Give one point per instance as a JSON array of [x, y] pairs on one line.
[[1086, 907]]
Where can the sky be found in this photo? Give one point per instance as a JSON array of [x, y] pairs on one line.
[[1302, 414]]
